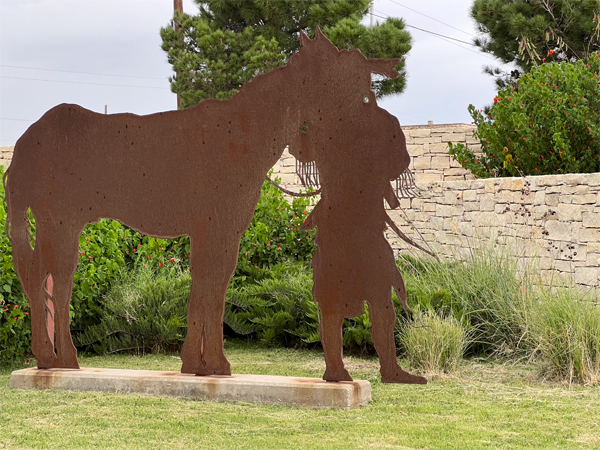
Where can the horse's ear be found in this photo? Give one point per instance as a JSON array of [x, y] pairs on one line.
[[384, 67], [304, 39], [319, 34]]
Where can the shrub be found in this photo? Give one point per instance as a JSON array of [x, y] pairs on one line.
[[565, 332], [275, 306], [437, 346], [274, 235], [143, 312], [482, 292], [15, 323], [548, 124]]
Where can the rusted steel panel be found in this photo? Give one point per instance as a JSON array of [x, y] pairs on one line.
[[74, 166]]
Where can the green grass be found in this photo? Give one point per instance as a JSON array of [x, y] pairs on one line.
[[482, 406]]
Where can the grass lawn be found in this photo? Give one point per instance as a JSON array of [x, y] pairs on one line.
[[483, 406]]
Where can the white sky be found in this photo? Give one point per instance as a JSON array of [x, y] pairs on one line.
[[121, 37]]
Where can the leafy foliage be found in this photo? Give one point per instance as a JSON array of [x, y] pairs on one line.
[[144, 312], [229, 42], [15, 323], [548, 124], [274, 235], [528, 33], [276, 306]]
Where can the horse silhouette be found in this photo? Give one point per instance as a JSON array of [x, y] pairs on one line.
[[358, 149]]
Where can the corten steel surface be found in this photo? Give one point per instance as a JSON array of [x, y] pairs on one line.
[[358, 149], [199, 172]]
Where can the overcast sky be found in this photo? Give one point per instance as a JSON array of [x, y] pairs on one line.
[[42, 42]]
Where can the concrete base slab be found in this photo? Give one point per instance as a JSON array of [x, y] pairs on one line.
[[311, 392]]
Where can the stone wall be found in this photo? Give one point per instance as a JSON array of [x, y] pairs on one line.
[[6, 152], [549, 222], [428, 148]]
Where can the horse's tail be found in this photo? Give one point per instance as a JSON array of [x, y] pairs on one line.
[[17, 231]]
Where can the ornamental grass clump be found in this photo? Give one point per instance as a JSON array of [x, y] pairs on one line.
[[549, 123], [483, 292], [565, 333], [436, 346]]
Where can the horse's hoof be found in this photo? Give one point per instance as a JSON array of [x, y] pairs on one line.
[[66, 363], [337, 375], [197, 369], [207, 372], [400, 376], [47, 361]]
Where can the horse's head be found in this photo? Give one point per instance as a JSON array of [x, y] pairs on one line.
[[340, 126]]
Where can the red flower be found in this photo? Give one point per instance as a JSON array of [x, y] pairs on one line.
[[550, 52], [6, 309], [81, 253], [26, 313], [495, 99], [16, 306]]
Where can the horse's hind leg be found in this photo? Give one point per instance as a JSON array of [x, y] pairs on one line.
[[42, 331], [211, 266], [59, 256]]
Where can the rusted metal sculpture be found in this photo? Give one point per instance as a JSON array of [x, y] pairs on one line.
[[199, 172], [358, 149]]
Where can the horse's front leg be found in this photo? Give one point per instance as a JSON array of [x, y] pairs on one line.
[[211, 266]]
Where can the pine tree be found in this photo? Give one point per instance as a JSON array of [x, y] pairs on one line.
[[531, 32], [231, 41]]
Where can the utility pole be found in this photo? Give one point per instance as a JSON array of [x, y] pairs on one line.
[[371, 10], [178, 8]]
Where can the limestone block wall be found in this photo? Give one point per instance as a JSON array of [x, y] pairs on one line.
[[549, 222], [6, 153], [428, 148]]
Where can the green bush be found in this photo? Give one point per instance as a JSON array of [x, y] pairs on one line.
[[274, 235], [15, 323], [565, 332], [548, 124], [436, 346], [144, 312], [275, 306], [482, 292]]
